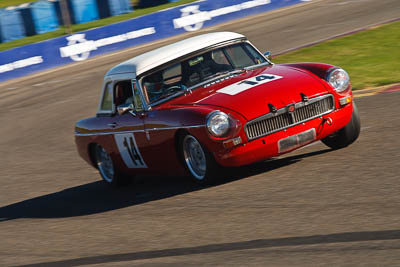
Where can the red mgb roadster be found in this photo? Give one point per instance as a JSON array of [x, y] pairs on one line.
[[208, 102]]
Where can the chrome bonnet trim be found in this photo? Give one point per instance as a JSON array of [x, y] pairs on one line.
[[139, 131], [175, 127]]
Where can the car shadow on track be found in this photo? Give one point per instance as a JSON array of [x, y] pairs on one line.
[[296, 244], [97, 197]]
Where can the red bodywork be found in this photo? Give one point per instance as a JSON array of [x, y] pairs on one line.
[[156, 132]]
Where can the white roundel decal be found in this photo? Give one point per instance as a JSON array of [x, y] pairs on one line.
[[244, 85], [129, 150]]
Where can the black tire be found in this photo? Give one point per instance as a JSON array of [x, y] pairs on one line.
[[199, 163], [108, 172], [347, 135]]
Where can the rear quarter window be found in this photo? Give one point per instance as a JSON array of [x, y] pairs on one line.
[[107, 101]]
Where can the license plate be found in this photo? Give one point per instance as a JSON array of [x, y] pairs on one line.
[[295, 141]]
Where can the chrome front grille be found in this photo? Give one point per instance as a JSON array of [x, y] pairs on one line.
[[282, 119]]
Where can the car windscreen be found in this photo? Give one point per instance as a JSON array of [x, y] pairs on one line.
[[197, 69]]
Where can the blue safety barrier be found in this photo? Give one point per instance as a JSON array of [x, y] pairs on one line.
[[108, 8], [44, 16], [83, 11], [32, 58], [150, 3], [11, 24], [27, 18], [39, 17], [118, 7]]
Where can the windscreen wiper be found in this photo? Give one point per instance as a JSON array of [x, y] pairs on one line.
[[222, 73]]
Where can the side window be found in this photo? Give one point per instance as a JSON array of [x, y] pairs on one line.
[[106, 103], [254, 54], [239, 56], [219, 57], [123, 93]]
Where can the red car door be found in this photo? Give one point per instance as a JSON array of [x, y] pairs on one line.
[[128, 129], [160, 129], [129, 138]]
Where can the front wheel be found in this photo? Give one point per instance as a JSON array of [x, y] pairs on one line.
[[199, 163], [347, 135], [105, 165]]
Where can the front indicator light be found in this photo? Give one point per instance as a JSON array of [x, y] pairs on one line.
[[232, 142], [345, 100]]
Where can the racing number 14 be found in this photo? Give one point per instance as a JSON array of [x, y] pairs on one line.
[[258, 79], [132, 151], [247, 84], [129, 150]]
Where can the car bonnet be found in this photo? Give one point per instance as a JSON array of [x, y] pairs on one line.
[[251, 92]]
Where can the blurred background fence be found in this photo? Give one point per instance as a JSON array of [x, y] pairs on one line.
[[28, 19], [95, 41]]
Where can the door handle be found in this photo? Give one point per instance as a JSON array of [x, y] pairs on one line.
[[112, 124], [142, 115]]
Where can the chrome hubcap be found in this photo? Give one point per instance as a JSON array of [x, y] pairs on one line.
[[105, 164], [194, 157]]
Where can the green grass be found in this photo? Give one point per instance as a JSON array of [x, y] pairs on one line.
[[86, 26], [372, 57], [6, 3]]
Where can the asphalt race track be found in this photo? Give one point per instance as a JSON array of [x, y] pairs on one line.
[[314, 207]]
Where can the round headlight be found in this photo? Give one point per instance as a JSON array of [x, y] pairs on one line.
[[218, 123], [338, 79]]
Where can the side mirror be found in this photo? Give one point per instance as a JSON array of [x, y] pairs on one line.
[[268, 55], [124, 108]]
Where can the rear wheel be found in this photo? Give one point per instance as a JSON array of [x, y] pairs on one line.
[[347, 135], [199, 163], [105, 165]]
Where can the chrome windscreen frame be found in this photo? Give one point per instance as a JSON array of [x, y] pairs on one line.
[[199, 85], [146, 106]]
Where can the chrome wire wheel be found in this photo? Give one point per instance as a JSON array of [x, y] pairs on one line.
[[105, 164], [194, 157]]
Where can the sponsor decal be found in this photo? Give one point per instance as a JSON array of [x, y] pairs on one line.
[[78, 48], [220, 80], [192, 18], [21, 64], [129, 150], [244, 85]]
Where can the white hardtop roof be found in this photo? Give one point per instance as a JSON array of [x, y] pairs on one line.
[[162, 55]]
